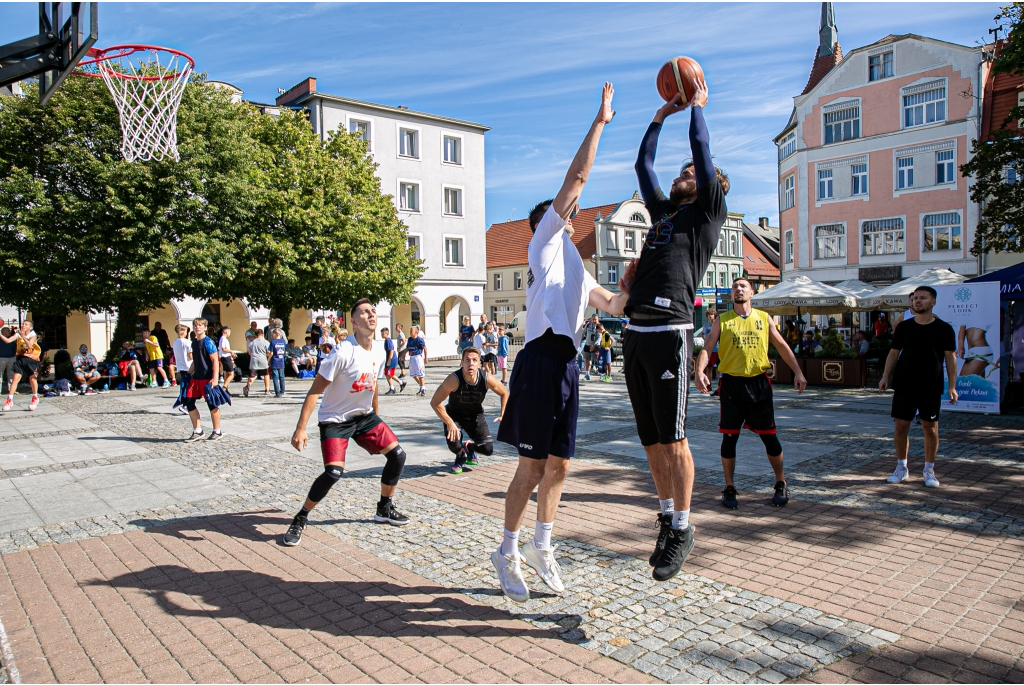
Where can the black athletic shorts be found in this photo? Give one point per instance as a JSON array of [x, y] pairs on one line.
[[475, 427], [657, 368], [227, 364], [746, 402], [25, 366], [906, 404], [543, 404], [259, 373]]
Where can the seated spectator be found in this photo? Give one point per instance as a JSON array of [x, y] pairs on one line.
[[309, 353], [808, 345], [296, 356], [128, 364], [860, 343], [86, 373]]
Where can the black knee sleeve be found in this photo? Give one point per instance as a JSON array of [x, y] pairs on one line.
[[486, 449], [323, 484], [729, 445], [772, 445], [393, 467]]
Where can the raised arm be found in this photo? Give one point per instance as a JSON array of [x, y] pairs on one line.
[[703, 168], [645, 161], [579, 170]]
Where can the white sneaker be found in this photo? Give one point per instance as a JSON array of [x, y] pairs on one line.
[[510, 575], [898, 476], [543, 562], [930, 481]]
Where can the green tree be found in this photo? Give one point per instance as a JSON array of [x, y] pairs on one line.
[[1001, 224], [82, 229], [325, 235]]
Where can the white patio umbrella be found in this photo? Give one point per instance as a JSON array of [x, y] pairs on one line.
[[856, 288], [897, 296], [801, 295]]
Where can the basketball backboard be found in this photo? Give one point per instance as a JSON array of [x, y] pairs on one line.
[[54, 52]]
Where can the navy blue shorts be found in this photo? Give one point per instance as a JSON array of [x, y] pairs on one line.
[[543, 403]]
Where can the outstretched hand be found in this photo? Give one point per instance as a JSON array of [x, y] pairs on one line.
[[700, 95], [606, 113]]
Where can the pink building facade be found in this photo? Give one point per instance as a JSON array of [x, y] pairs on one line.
[[869, 185]]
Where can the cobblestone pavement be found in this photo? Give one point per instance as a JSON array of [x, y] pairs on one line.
[[855, 580]]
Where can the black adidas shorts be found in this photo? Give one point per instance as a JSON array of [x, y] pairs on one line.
[[746, 403], [657, 367]]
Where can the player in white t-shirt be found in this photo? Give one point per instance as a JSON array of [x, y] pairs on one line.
[[227, 358], [348, 380], [540, 418], [182, 351]]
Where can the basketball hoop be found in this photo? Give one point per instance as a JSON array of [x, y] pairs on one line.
[[146, 82]]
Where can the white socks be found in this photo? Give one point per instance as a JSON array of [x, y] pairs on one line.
[[667, 505], [928, 467], [510, 543], [681, 519], [542, 535]]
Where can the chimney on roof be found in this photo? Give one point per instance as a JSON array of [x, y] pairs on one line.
[[402, 107], [297, 91], [762, 221]]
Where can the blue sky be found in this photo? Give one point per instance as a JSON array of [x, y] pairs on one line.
[[533, 72]]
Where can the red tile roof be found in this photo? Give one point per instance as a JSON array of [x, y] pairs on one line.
[[821, 67], [507, 242], [755, 263]]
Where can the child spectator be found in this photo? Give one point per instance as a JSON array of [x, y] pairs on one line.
[[503, 353], [259, 363], [227, 357], [155, 355], [278, 351]]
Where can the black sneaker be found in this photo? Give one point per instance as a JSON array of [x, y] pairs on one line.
[[664, 525], [729, 499], [387, 513], [216, 435], [195, 436], [677, 547], [391, 391], [294, 535], [401, 386], [781, 497], [245, 390]]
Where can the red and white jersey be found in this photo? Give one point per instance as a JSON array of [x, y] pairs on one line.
[[353, 375]]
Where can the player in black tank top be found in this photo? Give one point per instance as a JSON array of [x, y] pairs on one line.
[[464, 411]]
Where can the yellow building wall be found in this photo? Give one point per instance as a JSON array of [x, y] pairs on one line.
[[297, 326], [166, 315], [79, 332]]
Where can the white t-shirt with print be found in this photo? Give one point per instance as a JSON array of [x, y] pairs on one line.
[[557, 285], [182, 352], [353, 375]]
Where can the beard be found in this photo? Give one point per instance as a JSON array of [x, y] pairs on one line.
[[918, 308], [739, 299], [682, 196]]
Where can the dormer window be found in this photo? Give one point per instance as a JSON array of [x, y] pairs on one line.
[[880, 66], [637, 218]]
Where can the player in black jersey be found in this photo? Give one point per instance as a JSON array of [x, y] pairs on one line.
[[465, 390], [659, 349]]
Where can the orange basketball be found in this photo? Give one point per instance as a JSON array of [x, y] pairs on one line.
[[679, 74]]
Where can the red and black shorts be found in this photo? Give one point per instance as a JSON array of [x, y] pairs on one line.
[[369, 431], [746, 403], [195, 391]]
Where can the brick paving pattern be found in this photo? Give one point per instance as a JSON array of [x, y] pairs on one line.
[[855, 580]]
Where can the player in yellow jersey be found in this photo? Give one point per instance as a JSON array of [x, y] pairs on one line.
[[745, 393]]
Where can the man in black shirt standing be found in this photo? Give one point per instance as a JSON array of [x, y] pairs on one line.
[[659, 349], [919, 347]]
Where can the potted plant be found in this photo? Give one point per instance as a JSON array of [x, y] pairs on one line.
[[835, 364], [779, 371]]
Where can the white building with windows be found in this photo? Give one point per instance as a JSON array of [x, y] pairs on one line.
[[869, 186], [434, 167]]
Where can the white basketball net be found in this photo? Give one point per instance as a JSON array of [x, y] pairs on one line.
[[147, 85]]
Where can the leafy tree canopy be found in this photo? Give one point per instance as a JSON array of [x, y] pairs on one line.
[[1001, 224]]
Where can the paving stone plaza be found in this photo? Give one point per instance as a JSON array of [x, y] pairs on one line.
[[128, 555]]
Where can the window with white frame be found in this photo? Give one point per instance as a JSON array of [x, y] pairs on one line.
[[720, 250], [880, 66], [789, 247], [709, 277], [517, 280], [408, 142], [788, 192], [944, 167], [787, 145], [613, 274], [497, 281], [630, 242], [453, 201], [829, 241], [926, 107], [723, 275], [733, 244], [361, 129], [859, 179], [453, 253], [882, 237], [842, 124], [613, 239], [904, 172], [414, 242], [452, 150], [409, 196], [734, 272], [638, 218], [824, 184], [942, 231]]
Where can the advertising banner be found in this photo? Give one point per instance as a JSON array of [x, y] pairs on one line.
[[972, 309]]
